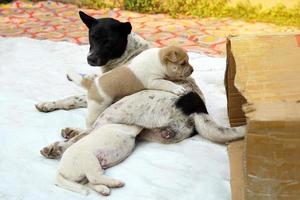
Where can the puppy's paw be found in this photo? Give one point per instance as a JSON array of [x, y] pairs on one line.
[[120, 184], [53, 151], [68, 132], [102, 189], [167, 133], [179, 90], [46, 106]]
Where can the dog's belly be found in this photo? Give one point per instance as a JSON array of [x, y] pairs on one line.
[[110, 156]]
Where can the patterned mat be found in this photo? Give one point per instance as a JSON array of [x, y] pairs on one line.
[[60, 22]]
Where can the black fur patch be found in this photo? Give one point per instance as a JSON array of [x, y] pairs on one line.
[[191, 103]]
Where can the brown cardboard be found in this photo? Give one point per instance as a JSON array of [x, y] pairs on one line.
[[234, 99], [267, 71], [273, 151], [237, 179]]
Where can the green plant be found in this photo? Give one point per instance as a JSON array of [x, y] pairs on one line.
[[203, 8], [95, 4], [144, 6]]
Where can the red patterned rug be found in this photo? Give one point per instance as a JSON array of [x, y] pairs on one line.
[[60, 22]]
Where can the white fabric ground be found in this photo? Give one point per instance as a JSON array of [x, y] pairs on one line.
[[32, 71]]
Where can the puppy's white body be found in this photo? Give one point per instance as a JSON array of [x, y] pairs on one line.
[[148, 70], [86, 159]]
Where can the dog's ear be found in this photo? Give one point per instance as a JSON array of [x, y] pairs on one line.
[[86, 19], [171, 56], [126, 28]]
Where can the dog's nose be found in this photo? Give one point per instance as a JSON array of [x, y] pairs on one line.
[[92, 61]]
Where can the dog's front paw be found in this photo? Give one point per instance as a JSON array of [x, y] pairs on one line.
[[179, 90], [167, 133], [68, 132], [46, 106], [53, 151]]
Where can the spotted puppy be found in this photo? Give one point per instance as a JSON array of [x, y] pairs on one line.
[[176, 117], [148, 70]]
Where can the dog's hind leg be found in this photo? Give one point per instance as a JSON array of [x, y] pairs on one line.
[[102, 189], [94, 173], [68, 103]]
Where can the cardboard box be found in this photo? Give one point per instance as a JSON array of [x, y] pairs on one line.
[[237, 163], [267, 74]]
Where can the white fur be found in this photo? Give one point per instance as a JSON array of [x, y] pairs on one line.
[[148, 68], [94, 107], [86, 160]]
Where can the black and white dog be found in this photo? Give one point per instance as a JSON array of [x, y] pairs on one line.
[[112, 44]]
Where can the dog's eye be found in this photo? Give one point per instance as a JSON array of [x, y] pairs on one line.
[[183, 63]]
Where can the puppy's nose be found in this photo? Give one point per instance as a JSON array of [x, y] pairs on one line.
[[190, 71]]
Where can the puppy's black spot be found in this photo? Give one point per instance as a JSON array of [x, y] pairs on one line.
[[191, 103]]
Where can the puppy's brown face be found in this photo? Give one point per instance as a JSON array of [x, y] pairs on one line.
[[176, 62]]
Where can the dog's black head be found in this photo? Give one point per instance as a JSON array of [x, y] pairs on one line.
[[108, 38]]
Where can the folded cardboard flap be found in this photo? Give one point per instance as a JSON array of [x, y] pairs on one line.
[[234, 98], [267, 69]]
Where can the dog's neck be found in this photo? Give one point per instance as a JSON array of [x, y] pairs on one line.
[[135, 45]]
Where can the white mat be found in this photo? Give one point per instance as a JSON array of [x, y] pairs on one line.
[[32, 71]]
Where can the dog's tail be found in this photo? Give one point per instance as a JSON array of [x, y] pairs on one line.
[[192, 103], [61, 181], [84, 81], [210, 130]]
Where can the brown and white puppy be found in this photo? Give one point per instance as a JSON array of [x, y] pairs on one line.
[[85, 161], [148, 70]]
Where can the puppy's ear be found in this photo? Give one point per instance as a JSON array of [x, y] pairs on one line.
[[126, 27], [171, 56], [86, 19]]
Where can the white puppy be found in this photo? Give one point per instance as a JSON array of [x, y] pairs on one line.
[[148, 70], [85, 161]]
